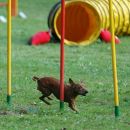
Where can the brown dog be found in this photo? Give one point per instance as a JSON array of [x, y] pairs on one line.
[[50, 85]]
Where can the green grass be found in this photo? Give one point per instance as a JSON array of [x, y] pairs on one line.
[[91, 64]]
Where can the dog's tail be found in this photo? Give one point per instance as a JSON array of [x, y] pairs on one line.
[[35, 78]]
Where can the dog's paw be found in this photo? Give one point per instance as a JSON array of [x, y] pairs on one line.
[[76, 111]]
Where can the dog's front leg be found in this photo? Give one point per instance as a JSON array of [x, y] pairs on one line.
[[43, 99], [49, 98], [72, 105]]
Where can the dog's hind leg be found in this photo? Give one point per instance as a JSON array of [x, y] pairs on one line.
[[43, 99]]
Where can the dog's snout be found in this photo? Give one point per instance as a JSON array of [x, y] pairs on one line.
[[86, 91]]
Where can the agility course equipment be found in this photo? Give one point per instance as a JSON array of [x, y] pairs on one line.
[[2, 4], [85, 19], [62, 55], [112, 27], [115, 83], [14, 6], [105, 36], [12, 10], [9, 10], [9, 52]]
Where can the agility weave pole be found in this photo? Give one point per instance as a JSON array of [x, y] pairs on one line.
[[115, 83], [9, 52], [62, 55], [14, 6]]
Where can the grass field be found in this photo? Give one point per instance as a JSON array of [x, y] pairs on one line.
[[91, 64]]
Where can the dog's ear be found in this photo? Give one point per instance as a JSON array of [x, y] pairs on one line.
[[71, 81]]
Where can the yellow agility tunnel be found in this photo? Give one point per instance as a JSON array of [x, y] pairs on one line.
[[86, 18]]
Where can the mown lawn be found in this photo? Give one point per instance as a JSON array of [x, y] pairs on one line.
[[91, 64]]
